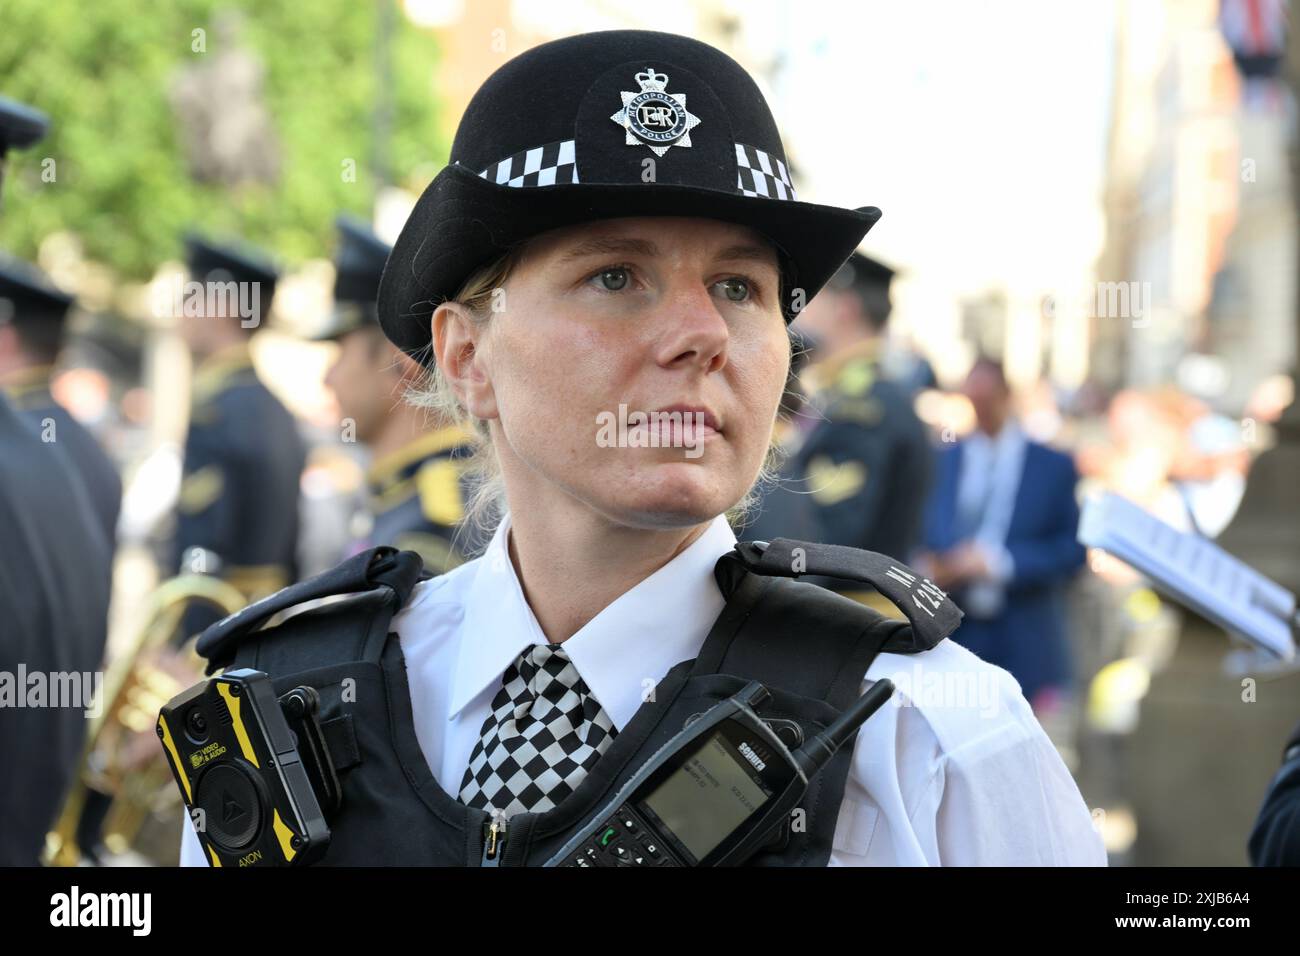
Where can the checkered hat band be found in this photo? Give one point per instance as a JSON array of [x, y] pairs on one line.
[[762, 174], [549, 165], [544, 733], [757, 173]]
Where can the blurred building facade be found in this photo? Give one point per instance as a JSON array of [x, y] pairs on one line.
[[1199, 227]]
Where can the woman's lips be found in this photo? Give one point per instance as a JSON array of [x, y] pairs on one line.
[[673, 433], [695, 414], [674, 426]]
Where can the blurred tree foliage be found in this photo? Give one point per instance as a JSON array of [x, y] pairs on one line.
[[104, 71]]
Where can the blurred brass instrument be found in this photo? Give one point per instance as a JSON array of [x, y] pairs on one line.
[[122, 758]]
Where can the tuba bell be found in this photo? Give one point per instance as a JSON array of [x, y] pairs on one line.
[[122, 762]]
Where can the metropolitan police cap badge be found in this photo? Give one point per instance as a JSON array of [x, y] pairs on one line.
[[655, 117]]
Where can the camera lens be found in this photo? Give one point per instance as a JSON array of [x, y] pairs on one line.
[[196, 726]]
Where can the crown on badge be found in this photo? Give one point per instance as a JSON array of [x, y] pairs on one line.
[[650, 80]]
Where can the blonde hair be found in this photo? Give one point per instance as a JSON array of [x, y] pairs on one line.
[[432, 390]]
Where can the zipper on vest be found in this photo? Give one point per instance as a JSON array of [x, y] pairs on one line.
[[494, 841]]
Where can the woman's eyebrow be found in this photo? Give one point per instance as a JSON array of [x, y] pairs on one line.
[[759, 253], [644, 247], [599, 246]]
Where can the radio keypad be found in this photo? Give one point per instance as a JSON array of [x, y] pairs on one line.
[[624, 840]]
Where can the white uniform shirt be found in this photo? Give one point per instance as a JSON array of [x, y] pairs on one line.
[[954, 771]]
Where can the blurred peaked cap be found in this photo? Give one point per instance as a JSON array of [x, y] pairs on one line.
[[605, 125], [358, 261], [20, 125], [240, 263], [26, 295], [862, 271]]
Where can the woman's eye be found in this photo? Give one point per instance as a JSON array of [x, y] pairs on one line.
[[736, 289], [613, 280]]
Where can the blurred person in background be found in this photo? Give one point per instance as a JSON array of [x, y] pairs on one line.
[[54, 592], [238, 506], [415, 485], [1172, 454], [1275, 838], [867, 463], [1000, 534], [783, 508], [31, 337], [907, 365]]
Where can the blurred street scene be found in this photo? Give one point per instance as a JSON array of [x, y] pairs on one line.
[[1084, 280]]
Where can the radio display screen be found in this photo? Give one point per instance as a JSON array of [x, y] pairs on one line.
[[705, 799]]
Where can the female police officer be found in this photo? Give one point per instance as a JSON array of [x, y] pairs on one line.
[[600, 284]]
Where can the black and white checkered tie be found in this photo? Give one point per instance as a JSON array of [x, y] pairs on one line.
[[544, 733]]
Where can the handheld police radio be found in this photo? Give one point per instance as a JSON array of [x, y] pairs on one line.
[[714, 793], [253, 769]]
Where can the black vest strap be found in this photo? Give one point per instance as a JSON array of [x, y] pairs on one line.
[[398, 571], [930, 611], [786, 633]]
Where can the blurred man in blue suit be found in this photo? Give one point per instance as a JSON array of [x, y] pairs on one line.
[[1000, 535]]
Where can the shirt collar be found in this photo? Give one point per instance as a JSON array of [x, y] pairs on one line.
[[213, 373], [1008, 436], [1009, 440], [622, 651]]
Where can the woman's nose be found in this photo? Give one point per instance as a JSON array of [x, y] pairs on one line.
[[693, 329]]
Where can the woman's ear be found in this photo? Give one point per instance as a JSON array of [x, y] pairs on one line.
[[456, 340]]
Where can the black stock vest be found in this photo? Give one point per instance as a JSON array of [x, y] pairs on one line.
[[808, 646]]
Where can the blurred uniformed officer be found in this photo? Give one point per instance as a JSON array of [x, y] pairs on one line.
[[30, 339], [54, 564], [238, 508], [867, 466], [783, 507], [20, 125], [1275, 838], [415, 487]]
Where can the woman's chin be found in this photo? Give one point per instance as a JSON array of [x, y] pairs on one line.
[[670, 495]]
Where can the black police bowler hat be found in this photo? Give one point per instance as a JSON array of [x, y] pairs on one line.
[[560, 135], [207, 260]]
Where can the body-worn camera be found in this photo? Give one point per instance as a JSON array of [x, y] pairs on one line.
[[253, 769]]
